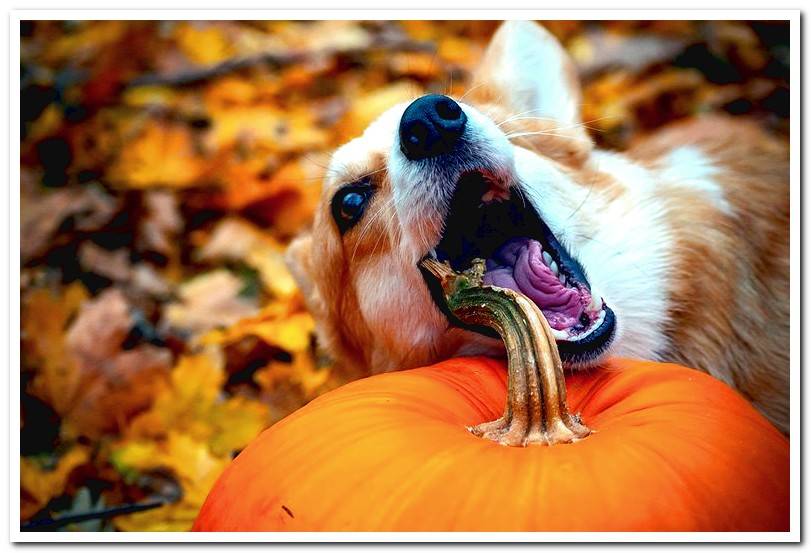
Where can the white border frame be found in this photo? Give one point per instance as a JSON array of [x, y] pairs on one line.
[[793, 16]]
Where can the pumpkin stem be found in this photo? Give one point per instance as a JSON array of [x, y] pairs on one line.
[[536, 410]]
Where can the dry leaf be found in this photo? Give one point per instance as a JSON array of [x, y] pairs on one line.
[[115, 265], [162, 221], [209, 301], [163, 154], [45, 317], [369, 106], [203, 42], [237, 240], [302, 370], [39, 486], [191, 430], [42, 213], [189, 460], [275, 325], [111, 384]]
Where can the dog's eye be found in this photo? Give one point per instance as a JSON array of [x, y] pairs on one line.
[[349, 203]]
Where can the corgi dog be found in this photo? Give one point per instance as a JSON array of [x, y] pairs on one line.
[[675, 250]]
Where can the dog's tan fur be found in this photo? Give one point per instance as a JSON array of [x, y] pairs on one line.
[[725, 295], [742, 336]]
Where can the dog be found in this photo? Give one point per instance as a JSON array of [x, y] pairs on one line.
[[676, 250]]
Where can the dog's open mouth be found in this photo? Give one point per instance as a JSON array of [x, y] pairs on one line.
[[523, 254]]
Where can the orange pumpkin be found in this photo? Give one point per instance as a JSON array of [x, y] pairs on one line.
[[671, 449]]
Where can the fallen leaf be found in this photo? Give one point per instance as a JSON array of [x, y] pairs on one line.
[[163, 154], [45, 316], [264, 127], [302, 370], [276, 326], [39, 485], [190, 460], [371, 105], [114, 265], [192, 430], [43, 212], [110, 384], [203, 42], [237, 240], [162, 221], [209, 301]]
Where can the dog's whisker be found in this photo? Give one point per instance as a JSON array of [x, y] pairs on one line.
[[391, 214], [583, 125], [543, 133], [469, 90], [520, 115], [369, 223]]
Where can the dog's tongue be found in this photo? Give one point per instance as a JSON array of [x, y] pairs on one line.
[[518, 265]]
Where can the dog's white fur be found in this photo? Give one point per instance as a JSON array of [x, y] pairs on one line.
[[633, 224]]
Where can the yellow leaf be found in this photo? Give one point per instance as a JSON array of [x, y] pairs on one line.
[[91, 38], [262, 126], [229, 91], [303, 371], [273, 271], [134, 455], [184, 404], [192, 431], [290, 332], [236, 422], [192, 463], [145, 96], [203, 43], [369, 106], [161, 155], [421, 65], [44, 321], [43, 485], [193, 405], [47, 124]]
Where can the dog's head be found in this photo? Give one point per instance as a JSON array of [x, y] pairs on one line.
[[490, 174]]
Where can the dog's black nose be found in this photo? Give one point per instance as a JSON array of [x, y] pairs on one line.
[[431, 126]]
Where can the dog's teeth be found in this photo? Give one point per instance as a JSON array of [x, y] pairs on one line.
[[559, 334], [433, 253], [596, 302], [547, 258], [554, 267]]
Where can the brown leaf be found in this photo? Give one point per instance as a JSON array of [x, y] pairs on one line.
[[209, 301], [162, 221], [45, 316], [102, 386], [115, 265], [43, 212]]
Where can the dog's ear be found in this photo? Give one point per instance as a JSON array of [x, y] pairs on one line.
[[299, 260], [528, 71]]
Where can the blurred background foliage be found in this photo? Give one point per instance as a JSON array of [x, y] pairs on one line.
[[165, 166]]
